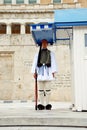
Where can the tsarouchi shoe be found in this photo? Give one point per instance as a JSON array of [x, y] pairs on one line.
[[41, 107], [48, 107]]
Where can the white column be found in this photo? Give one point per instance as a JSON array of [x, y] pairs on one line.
[[75, 1], [61, 1], [51, 2], [13, 1], [38, 1], [1, 2], [22, 28], [8, 29], [26, 2]]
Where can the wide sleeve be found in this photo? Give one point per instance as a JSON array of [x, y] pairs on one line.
[[53, 63], [34, 64]]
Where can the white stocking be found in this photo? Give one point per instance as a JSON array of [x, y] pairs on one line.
[[48, 93], [41, 96]]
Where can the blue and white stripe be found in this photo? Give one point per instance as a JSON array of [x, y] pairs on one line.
[[41, 27]]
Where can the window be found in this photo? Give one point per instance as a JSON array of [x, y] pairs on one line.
[[2, 29], [19, 1], [7, 1], [32, 1], [15, 29], [85, 40], [27, 29], [56, 1]]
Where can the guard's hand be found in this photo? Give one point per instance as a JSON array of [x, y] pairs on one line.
[[35, 75], [53, 75]]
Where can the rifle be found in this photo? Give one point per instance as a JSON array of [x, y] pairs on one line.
[[36, 91]]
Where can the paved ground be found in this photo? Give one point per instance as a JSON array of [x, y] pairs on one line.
[[30, 104], [21, 116], [41, 128]]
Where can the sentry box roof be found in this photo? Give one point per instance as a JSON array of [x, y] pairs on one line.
[[43, 31], [65, 18], [70, 17]]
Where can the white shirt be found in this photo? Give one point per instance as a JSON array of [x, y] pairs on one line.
[[44, 73]]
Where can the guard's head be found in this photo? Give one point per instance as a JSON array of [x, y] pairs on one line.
[[44, 43]]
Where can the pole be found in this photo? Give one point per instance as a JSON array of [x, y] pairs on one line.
[[36, 91]]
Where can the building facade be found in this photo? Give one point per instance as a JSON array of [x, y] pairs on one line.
[[17, 48]]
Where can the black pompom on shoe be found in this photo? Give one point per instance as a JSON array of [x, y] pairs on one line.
[[48, 107], [41, 107]]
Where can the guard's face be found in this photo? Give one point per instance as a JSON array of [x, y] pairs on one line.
[[44, 43]]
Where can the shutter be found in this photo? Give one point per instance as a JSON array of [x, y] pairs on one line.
[[32, 1], [56, 1], [7, 1], [19, 1], [2, 29]]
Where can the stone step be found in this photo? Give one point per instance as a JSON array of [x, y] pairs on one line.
[[23, 115], [42, 128]]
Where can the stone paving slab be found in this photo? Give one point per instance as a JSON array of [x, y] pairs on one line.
[[41, 128], [24, 114]]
